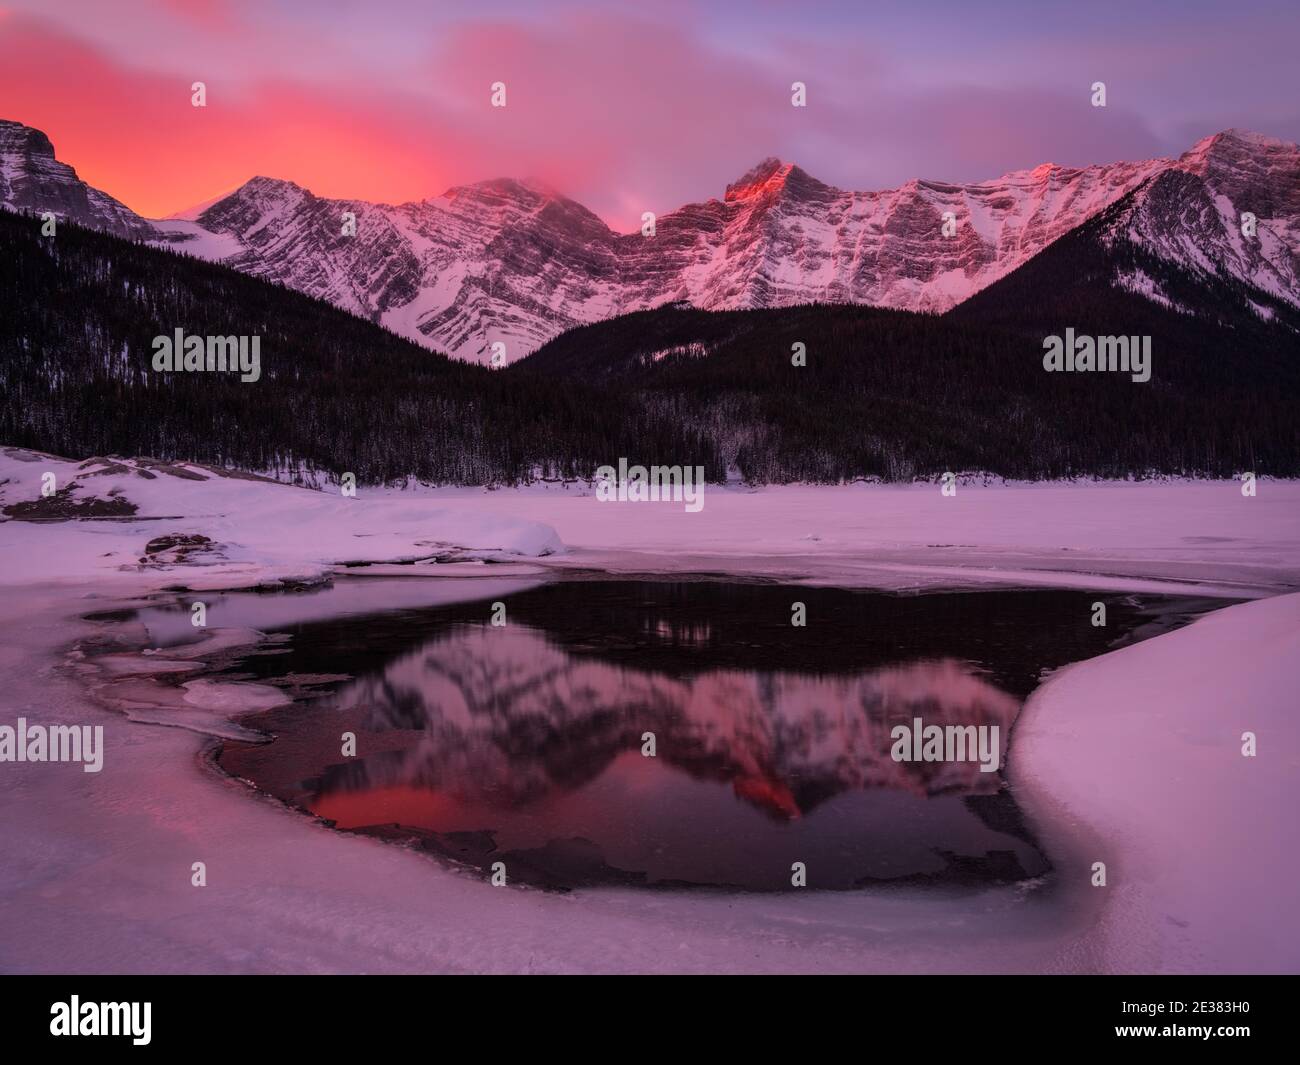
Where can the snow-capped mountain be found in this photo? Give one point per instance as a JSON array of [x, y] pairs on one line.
[[1194, 214], [517, 263], [31, 179]]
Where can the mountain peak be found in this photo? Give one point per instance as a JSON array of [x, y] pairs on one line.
[[768, 176], [260, 190], [260, 183], [33, 179], [505, 187], [13, 134], [1237, 142]]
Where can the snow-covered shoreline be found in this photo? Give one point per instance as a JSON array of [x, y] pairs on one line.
[[1193, 537], [1132, 758]]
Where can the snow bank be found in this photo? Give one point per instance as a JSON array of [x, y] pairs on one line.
[[1143, 747]]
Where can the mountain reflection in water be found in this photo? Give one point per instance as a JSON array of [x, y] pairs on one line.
[[497, 745], [523, 744]]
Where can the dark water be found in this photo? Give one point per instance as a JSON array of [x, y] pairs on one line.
[[523, 744]]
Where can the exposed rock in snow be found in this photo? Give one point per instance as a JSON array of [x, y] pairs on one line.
[[197, 526]]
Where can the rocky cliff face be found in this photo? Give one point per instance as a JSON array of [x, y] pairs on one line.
[[1193, 213], [31, 179]]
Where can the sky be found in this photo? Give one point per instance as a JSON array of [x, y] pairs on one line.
[[627, 107]]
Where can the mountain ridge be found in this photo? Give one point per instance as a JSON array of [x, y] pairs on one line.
[[515, 263]]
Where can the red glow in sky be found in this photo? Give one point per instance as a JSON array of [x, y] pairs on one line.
[[623, 108]]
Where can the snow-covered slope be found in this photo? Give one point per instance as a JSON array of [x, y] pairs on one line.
[[517, 263]]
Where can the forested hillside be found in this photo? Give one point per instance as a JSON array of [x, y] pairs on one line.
[[336, 393], [883, 393]]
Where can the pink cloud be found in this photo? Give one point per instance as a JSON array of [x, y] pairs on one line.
[[621, 113]]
